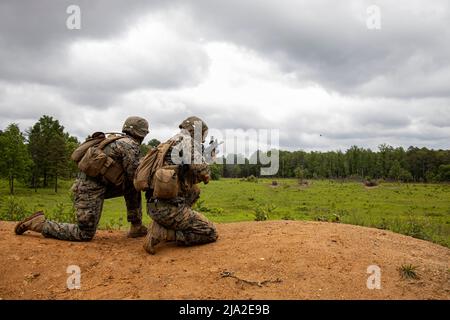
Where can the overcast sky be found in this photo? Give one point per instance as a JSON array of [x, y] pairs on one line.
[[312, 69]]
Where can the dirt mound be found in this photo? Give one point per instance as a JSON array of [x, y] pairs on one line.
[[251, 260]]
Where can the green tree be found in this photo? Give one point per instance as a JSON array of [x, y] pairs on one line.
[[444, 172], [71, 144], [405, 175], [299, 174], [395, 171], [386, 159], [153, 143], [14, 157], [47, 146]]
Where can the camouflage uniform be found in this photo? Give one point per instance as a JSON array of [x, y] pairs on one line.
[[176, 214], [91, 192]]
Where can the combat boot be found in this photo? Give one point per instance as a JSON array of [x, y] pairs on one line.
[[157, 235], [137, 231], [35, 222]]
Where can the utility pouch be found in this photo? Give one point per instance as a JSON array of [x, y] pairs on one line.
[[96, 162], [166, 183], [112, 171]]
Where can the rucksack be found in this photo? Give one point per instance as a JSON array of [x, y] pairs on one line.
[[149, 164], [92, 140], [93, 161]]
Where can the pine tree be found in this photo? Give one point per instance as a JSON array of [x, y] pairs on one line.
[[14, 158]]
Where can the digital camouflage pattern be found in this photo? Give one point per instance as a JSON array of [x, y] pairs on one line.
[[90, 193], [176, 214], [191, 227]]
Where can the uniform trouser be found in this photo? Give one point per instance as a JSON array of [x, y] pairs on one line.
[[89, 196], [190, 227]]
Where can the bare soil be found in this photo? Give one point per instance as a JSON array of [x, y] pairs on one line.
[[274, 260]]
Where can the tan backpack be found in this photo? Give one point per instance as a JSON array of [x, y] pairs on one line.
[[93, 140], [94, 162], [149, 164]]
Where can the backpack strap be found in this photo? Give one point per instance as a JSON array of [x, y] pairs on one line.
[[107, 141]]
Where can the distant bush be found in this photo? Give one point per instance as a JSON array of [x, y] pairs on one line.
[[383, 225], [251, 178], [201, 207], [287, 216], [216, 211], [114, 224], [263, 213], [370, 183], [405, 176], [443, 173], [63, 213], [299, 173], [328, 218], [321, 218], [415, 228], [215, 172], [15, 209]]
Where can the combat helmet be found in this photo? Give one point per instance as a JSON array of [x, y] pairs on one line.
[[136, 127], [190, 123]]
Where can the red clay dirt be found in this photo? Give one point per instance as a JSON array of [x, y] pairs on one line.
[[288, 259]]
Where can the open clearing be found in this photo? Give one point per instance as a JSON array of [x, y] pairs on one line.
[[418, 210], [303, 259]]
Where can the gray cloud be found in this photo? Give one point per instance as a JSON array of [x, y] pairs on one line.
[[36, 47], [329, 43], [150, 58]]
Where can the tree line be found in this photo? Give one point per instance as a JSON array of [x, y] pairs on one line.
[[389, 163], [41, 155]]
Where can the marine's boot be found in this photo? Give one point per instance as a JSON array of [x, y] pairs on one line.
[[137, 231], [157, 235], [35, 222]]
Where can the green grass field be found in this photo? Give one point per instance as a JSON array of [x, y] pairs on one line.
[[418, 210]]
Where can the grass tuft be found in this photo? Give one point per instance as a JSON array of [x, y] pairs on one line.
[[408, 271]]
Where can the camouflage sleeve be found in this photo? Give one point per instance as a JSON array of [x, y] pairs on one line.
[[130, 158], [130, 152], [127, 152]]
